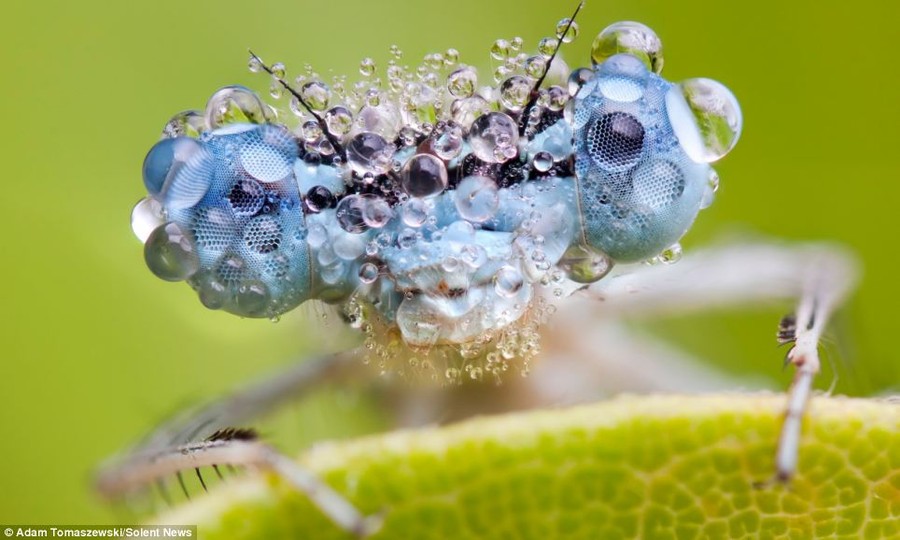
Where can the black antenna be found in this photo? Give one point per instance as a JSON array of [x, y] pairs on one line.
[[331, 138], [535, 90]]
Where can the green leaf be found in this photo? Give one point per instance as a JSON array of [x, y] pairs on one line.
[[649, 467]]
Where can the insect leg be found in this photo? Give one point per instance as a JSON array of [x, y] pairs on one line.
[[821, 276], [203, 438]]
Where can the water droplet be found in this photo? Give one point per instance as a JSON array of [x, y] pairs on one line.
[[170, 253], [569, 35], [339, 120], [466, 111], [234, 105], [369, 152], [461, 83], [542, 161], [414, 212], [349, 214], [451, 57], [424, 175], [508, 281], [254, 64], [368, 273], [213, 294], [381, 119], [577, 79], [146, 216], [185, 124], [514, 93], [367, 67], [310, 130], [278, 70], [557, 98], [671, 254], [492, 135], [500, 50], [622, 78], [547, 46], [535, 66], [709, 193], [583, 264], [477, 198], [447, 141], [316, 94], [516, 43], [632, 38], [319, 198], [377, 212], [252, 298], [165, 159], [706, 118]]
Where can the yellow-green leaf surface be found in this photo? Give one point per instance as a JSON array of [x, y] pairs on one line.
[[634, 467]]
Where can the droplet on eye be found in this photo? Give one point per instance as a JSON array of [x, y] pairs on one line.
[[165, 159], [185, 124], [622, 78], [171, 254], [705, 117], [632, 38], [235, 105], [146, 217]]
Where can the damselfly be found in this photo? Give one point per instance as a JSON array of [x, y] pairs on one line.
[[448, 214]]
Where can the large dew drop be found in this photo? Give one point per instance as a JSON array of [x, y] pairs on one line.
[[424, 176], [706, 118], [171, 254], [583, 264], [146, 217], [494, 137], [461, 83], [185, 124], [370, 153], [235, 105], [632, 38], [165, 159], [514, 93]]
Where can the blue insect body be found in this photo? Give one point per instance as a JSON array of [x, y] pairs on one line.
[[440, 228]]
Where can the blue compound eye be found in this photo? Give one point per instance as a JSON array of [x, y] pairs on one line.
[[642, 147], [235, 227]]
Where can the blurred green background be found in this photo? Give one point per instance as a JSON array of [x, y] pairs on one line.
[[95, 350]]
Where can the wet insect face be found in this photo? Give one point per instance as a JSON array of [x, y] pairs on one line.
[[438, 212]]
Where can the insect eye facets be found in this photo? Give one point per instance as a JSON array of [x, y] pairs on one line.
[[615, 141]]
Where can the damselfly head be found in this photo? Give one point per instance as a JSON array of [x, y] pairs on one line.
[[444, 210]]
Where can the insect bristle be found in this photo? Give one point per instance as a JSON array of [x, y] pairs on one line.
[[234, 434], [787, 329]]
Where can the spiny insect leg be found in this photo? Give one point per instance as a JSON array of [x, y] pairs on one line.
[[177, 445], [821, 276]]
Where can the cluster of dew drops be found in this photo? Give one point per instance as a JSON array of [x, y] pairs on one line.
[[444, 102], [412, 124]]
